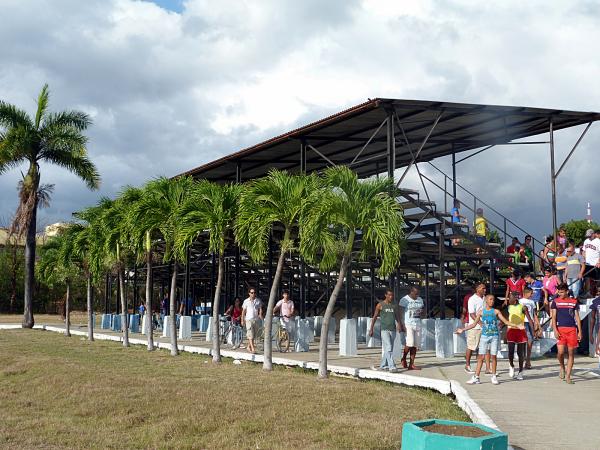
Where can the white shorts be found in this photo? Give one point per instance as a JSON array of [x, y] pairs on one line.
[[413, 336]]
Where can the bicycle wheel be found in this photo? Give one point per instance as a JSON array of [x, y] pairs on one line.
[[283, 340], [259, 340]]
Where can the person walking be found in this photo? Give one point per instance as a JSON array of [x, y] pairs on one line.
[[567, 329], [532, 329], [475, 305], [514, 285], [390, 324], [411, 309], [516, 336], [575, 269], [285, 307], [489, 344], [591, 253], [251, 313], [550, 283]]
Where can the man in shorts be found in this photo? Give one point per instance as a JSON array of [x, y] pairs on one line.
[[411, 306], [567, 329], [475, 305], [251, 313], [591, 253]]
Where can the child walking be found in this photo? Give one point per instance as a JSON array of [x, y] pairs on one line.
[[490, 337], [567, 329], [517, 336]]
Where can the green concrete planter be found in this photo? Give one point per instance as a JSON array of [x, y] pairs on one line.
[[414, 437]]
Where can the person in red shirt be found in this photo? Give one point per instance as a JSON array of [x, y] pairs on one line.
[[567, 329], [515, 284], [511, 248], [235, 311]]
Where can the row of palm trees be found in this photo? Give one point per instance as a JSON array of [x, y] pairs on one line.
[[329, 219]]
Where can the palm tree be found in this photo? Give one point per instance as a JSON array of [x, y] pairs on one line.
[[57, 265], [117, 244], [210, 208], [159, 212], [86, 248], [334, 218], [55, 138], [274, 201]]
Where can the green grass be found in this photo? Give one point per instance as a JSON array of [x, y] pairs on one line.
[[59, 392]]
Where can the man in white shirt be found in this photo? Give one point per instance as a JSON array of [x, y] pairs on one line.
[[251, 312], [591, 253], [475, 305]]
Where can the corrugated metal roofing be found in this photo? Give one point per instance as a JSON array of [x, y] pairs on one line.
[[340, 137]]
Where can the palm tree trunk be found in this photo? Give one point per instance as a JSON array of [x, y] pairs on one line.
[[173, 311], [268, 353], [90, 308], [67, 311], [327, 317], [148, 330], [28, 320], [124, 311], [216, 342]]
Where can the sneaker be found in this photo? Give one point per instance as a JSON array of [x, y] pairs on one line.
[[474, 380], [511, 372], [394, 370], [378, 369], [520, 376], [468, 369], [495, 379]]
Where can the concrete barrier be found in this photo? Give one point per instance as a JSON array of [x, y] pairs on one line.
[[166, 326], [348, 344], [106, 321], [317, 323], [427, 334], [195, 319], [209, 329], [444, 342], [361, 329], [203, 323], [331, 331], [459, 341], [375, 340], [116, 322], [185, 327], [134, 323], [303, 335]]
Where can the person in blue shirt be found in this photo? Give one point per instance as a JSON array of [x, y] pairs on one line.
[[141, 308], [536, 286]]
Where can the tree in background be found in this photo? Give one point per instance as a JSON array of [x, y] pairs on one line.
[[54, 138], [576, 229]]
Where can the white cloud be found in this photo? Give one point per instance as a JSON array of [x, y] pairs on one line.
[[171, 91]]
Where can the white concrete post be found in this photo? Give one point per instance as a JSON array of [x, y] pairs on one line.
[[348, 344]]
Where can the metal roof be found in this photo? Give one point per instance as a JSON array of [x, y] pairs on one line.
[[339, 138]]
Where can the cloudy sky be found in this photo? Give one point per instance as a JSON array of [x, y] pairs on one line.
[[172, 84]]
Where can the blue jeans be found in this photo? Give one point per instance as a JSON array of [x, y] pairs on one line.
[[387, 342], [574, 285]]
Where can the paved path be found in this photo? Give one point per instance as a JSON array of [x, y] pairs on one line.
[[541, 412]]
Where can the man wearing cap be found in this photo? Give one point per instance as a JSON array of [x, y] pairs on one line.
[[591, 253]]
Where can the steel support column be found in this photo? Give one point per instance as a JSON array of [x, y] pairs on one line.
[[453, 174], [442, 273], [186, 282], [391, 146], [457, 302], [348, 291], [135, 288], [302, 288], [303, 156], [107, 289], [372, 275], [553, 180], [237, 272], [427, 307]]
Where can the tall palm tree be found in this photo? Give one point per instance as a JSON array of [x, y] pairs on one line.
[[118, 245], [273, 201], [159, 212], [343, 214], [212, 208], [55, 138], [143, 241]]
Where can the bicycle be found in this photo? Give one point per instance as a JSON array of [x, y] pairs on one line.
[[282, 337]]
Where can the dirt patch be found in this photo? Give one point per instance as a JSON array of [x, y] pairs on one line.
[[455, 430]]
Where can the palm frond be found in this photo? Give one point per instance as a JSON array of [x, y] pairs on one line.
[[42, 105]]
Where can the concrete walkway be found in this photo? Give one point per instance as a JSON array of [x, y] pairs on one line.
[[541, 412]]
